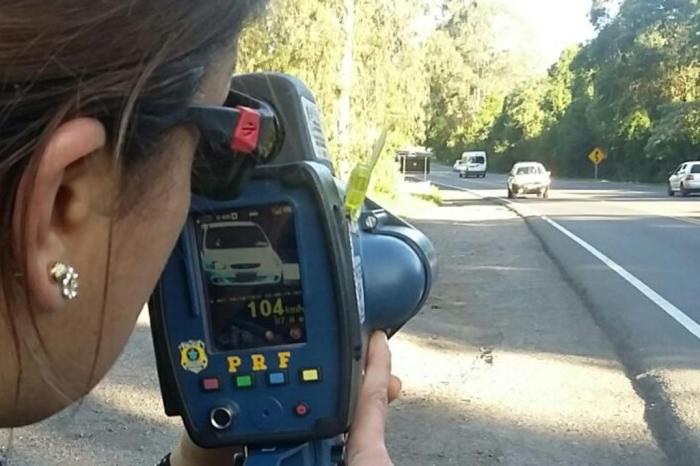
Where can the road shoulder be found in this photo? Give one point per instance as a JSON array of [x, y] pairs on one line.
[[505, 365]]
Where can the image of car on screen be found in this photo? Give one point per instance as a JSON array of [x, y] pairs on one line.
[[239, 253]]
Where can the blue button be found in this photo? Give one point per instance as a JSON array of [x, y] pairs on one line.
[[277, 378]]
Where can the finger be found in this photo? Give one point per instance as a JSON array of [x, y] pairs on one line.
[[368, 427], [394, 388], [188, 453]]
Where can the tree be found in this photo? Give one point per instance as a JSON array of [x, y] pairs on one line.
[[675, 137], [470, 74], [602, 12], [383, 57], [299, 37], [632, 90], [438, 72]]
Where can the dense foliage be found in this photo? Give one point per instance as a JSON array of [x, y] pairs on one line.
[[633, 90], [308, 39], [430, 70], [441, 73]]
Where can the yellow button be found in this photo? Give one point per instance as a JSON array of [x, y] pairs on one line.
[[310, 375]]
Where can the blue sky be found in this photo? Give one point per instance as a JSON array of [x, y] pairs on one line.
[[542, 27]]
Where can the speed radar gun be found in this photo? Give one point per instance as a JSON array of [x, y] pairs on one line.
[[262, 315]]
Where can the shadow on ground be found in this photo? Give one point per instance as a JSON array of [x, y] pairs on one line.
[[503, 367]]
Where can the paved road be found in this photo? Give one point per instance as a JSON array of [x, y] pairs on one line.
[[505, 366], [633, 254], [530, 351]]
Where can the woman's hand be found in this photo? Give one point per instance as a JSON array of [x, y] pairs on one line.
[[366, 442], [189, 454]]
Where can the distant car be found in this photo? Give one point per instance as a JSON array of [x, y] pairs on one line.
[[457, 167], [529, 178], [239, 253], [473, 164], [685, 179]]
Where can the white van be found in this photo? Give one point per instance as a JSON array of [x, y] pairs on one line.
[[473, 164]]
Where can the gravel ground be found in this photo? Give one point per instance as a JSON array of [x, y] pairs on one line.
[[504, 366]]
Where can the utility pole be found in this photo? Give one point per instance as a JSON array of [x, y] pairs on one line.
[[346, 81]]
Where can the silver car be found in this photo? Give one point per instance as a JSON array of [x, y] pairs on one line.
[[240, 253], [685, 179], [529, 178]]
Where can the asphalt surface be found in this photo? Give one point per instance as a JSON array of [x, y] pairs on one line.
[[506, 365], [530, 351], [633, 255]]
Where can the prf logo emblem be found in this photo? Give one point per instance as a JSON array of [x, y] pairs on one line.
[[193, 356]]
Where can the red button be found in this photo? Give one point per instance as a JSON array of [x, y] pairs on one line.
[[211, 384], [302, 409], [247, 132]]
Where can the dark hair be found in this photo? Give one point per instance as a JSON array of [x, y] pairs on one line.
[[125, 62]]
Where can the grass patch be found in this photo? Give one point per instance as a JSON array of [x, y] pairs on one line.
[[434, 195], [409, 198]]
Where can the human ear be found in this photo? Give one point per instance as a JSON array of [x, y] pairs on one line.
[[55, 198]]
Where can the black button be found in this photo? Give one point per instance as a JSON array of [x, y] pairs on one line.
[[221, 418]]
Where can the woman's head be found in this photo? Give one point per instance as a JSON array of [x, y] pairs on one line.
[[90, 174]]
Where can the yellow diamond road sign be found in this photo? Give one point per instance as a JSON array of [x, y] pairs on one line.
[[597, 156]]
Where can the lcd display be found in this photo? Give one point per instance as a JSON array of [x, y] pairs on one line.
[[250, 265]]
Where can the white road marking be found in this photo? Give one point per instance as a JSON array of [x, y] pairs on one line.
[[675, 313], [625, 206], [672, 311]]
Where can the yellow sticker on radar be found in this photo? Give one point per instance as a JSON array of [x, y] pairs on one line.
[[358, 184]]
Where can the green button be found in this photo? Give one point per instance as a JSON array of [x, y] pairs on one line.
[[244, 381]]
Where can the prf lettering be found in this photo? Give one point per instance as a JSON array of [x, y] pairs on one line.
[[258, 362], [284, 359], [234, 362]]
